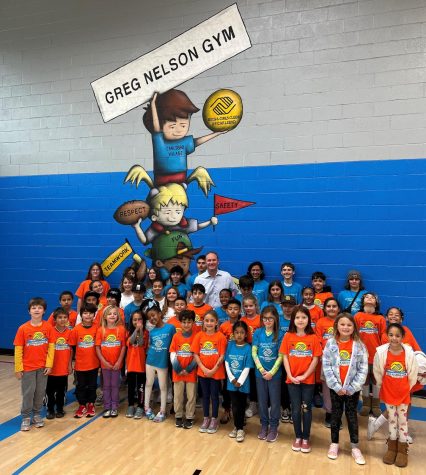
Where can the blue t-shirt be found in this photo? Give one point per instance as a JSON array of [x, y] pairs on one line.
[[238, 357], [170, 155], [267, 350], [345, 298], [182, 289], [222, 315], [159, 343], [276, 305], [260, 291], [284, 324], [129, 309], [295, 289]]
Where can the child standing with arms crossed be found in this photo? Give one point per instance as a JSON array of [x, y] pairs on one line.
[[34, 352], [110, 349], [395, 369], [209, 348], [345, 365], [266, 357], [57, 380], [301, 350], [238, 361], [136, 358]]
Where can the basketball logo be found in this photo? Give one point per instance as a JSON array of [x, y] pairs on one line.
[[223, 110]]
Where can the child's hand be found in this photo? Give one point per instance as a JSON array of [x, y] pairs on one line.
[[47, 371], [70, 369], [183, 372], [116, 367], [139, 324], [267, 375], [342, 392], [301, 378], [237, 385], [294, 380], [19, 374]]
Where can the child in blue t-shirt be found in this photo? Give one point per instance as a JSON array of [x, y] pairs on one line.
[[224, 297], [268, 361], [288, 270], [238, 361], [157, 357]]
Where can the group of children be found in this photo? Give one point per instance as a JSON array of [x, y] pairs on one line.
[[274, 344]]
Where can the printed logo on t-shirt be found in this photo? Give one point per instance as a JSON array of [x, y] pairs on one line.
[[208, 349], [86, 342], [369, 328], [396, 370], [61, 344], [328, 333], [300, 350], [198, 320], [111, 341], [184, 350], [235, 364], [38, 339], [318, 303], [345, 358], [158, 343]]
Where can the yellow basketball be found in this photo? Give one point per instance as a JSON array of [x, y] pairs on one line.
[[223, 110]]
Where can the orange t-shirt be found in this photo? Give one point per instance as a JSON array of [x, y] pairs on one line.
[[395, 388], [181, 345], [253, 324], [35, 341], [72, 317], [83, 338], [199, 312], [136, 355], [111, 341], [324, 329], [316, 313], [62, 352], [371, 328], [321, 297], [300, 350], [345, 352], [100, 314], [210, 348], [85, 287], [226, 329]]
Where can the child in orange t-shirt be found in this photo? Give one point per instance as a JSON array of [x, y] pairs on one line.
[[34, 353], [65, 300], [110, 348], [251, 316], [57, 380], [322, 291], [137, 344], [86, 364], [184, 370], [95, 272], [198, 293], [308, 297], [301, 350], [209, 347], [395, 369], [180, 306], [371, 326]]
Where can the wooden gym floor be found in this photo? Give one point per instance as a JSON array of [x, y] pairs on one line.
[[127, 446]]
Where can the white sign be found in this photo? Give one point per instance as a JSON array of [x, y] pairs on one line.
[[198, 49]]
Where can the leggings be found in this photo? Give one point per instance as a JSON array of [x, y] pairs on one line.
[[398, 422], [162, 382], [211, 388], [350, 404], [135, 385], [239, 401]]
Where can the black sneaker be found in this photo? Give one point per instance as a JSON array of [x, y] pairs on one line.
[[60, 414], [50, 415], [179, 422], [188, 424]]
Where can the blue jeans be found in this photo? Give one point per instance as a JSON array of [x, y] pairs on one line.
[[210, 388], [269, 391], [301, 394]]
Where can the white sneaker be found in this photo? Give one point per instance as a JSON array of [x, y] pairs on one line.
[[357, 455], [252, 409], [233, 433], [240, 435], [371, 428]]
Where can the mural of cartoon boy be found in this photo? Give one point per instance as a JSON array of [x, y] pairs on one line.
[[167, 118], [167, 205]]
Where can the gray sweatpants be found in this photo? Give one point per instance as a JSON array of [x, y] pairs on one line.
[[33, 385]]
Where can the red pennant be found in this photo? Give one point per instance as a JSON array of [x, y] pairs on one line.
[[223, 205]]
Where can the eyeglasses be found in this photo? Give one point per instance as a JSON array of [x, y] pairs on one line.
[[268, 319]]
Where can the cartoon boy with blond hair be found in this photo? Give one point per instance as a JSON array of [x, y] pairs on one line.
[[167, 205]]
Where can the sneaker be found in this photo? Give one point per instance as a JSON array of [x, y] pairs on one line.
[[317, 400], [205, 425], [160, 417], [263, 433], [26, 424], [80, 412], [297, 445], [60, 414], [130, 411], [138, 413], [357, 455], [90, 410], [285, 416], [327, 420], [272, 435], [188, 424], [107, 414], [114, 413], [371, 428], [233, 433], [179, 422], [38, 421], [213, 426], [226, 417], [252, 409], [306, 446], [240, 435], [50, 415], [149, 414], [333, 451], [99, 399]]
